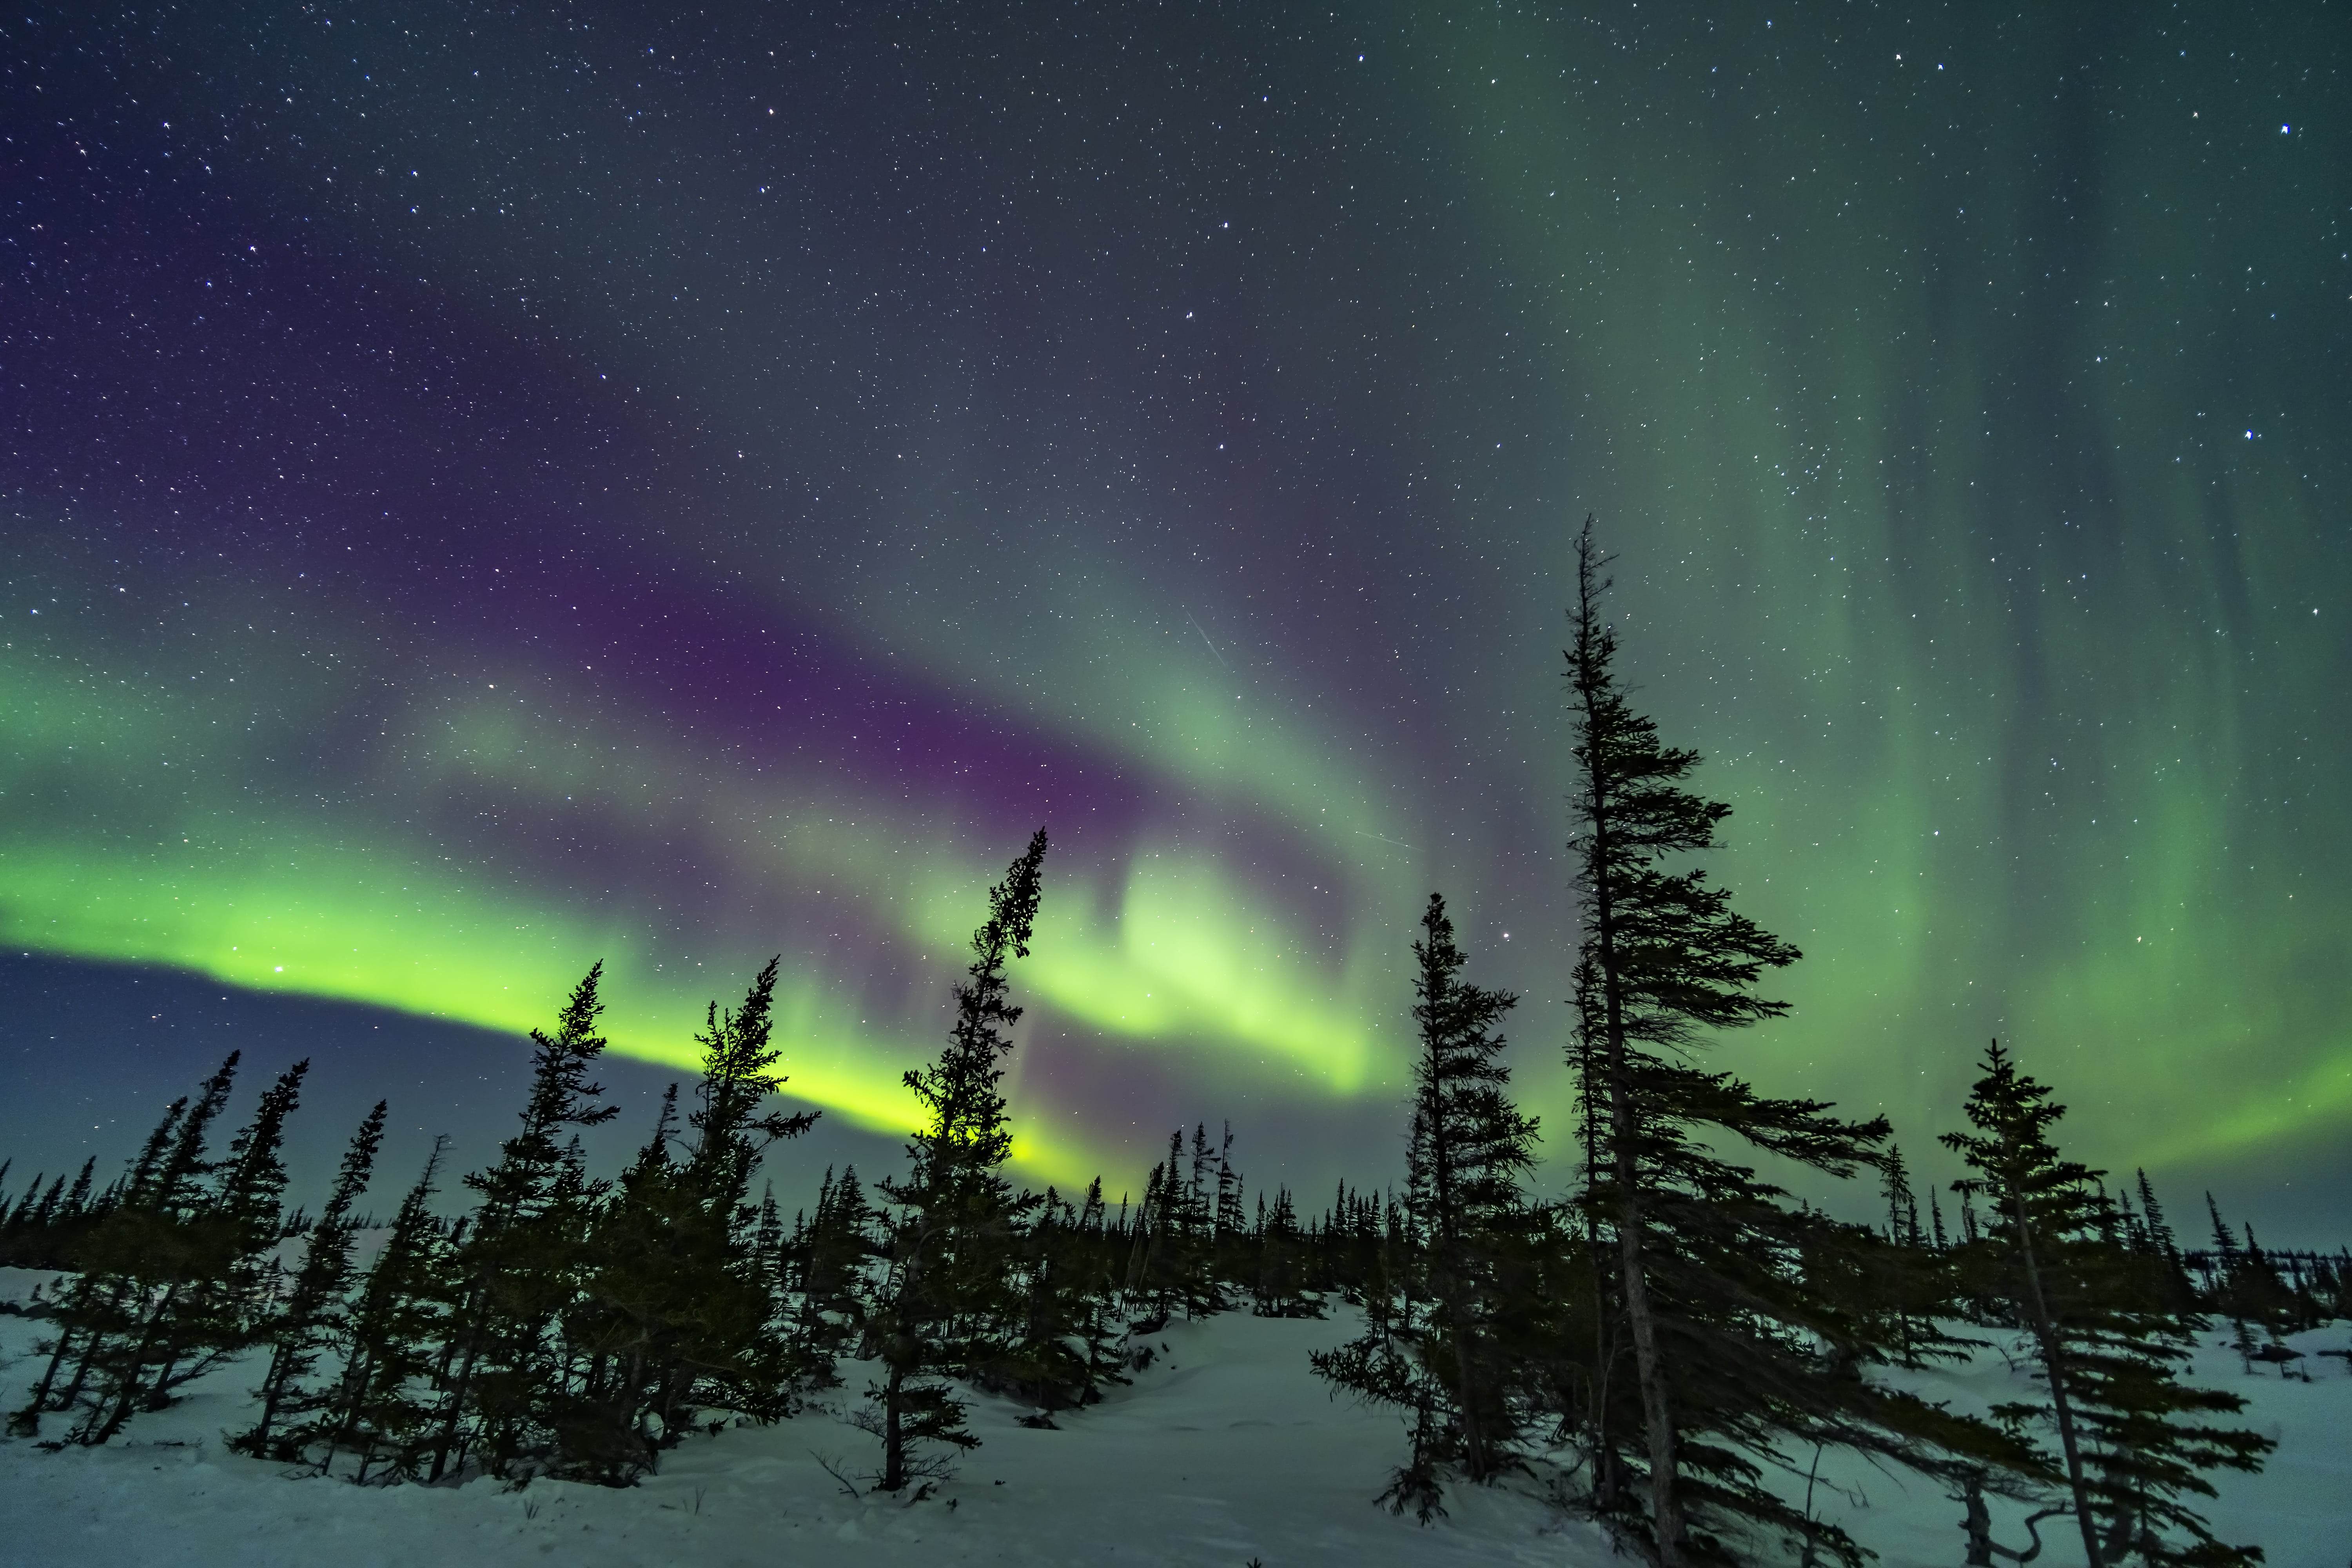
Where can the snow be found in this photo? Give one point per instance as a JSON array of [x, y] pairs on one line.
[[1226, 1449], [2299, 1508], [21, 1287]]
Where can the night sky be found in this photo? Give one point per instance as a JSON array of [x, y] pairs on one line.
[[484, 488]]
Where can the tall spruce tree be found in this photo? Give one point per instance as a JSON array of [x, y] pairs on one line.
[[231, 1268], [734, 1360], [1439, 1353], [1736, 1353], [1232, 1217], [679, 1315], [142, 1259], [385, 1406], [1599, 1399], [1178, 1261], [1056, 1357], [2133, 1439], [522, 1260], [1902, 1207], [45, 1228], [1101, 1330], [828, 1259], [2164, 1250], [2278, 1304], [1281, 1288], [622, 1326], [1914, 1280], [2229, 1291], [949, 1300], [312, 1315], [1205, 1293], [92, 1305]]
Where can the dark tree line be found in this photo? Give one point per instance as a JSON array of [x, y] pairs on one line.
[[1681, 1329], [569, 1324]]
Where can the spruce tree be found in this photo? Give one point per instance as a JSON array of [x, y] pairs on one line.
[[522, 1260], [1179, 1259], [1141, 1238], [90, 1308], [1913, 1278], [734, 1360], [948, 1300], [313, 1315], [1205, 1293], [2134, 1440], [767, 1257], [44, 1227], [2230, 1290], [1735, 1353], [73, 1213], [231, 1268], [621, 1326], [29, 1209], [385, 1406], [2271, 1300], [1102, 1325], [679, 1315], [144, 1259], [1902, 1208], [1050, 1361], [1469, 1149], [1282, 1270], [23, 1225], [2164, 1251], [829, 1262], [1232, 1226], [1438, 1354], [1600, 1400]]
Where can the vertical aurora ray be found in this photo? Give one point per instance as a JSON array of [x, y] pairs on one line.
[[698, 531], [1974, 521]]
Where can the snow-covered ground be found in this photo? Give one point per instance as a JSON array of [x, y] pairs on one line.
[[1226, 1449], [2298, 1509]]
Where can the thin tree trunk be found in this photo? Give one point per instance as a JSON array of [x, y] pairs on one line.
[[1657, 1414], [273, 1390], [1473, 1434], [92, 1432], [1976, 1525], [894, 1442], [29, 1418], [1465, 1393], [345, 1412], [1666, 1503], [94, 1341], [1450, 1293], [460, 1386], [171, 1352], [1605, 1468], [163, 1385], [2053, 1361], [1604, 1352], [1450, 1276]]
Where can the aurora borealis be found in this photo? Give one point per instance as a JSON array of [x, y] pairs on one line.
[[488, 488]]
